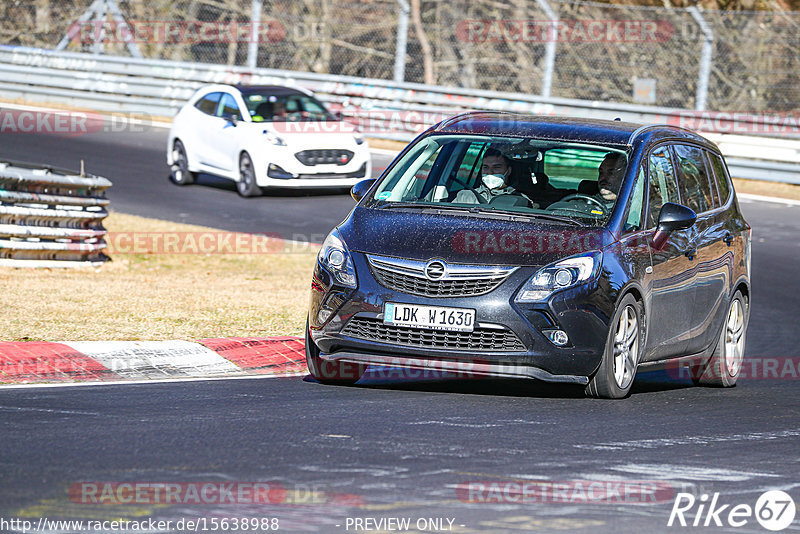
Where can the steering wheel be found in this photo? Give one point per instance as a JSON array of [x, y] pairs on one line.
[[588, 198], [480, 198]]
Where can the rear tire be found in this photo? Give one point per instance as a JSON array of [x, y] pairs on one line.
[[329, 372], [246, 186], [179, 170], [723, 366], [617, 370]]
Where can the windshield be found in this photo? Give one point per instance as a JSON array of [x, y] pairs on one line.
[[571, 181], [265, 107]]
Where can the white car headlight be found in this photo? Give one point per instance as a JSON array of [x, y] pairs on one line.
[[560, 275], [335, 257]]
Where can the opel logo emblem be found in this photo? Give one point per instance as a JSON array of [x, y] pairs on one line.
[[435, 269]]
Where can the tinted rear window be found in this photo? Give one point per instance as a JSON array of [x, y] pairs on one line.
[[721, 177], [697, 190]]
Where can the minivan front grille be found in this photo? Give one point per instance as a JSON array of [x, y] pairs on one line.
[[324, 157], [480, 339], [457, 280]]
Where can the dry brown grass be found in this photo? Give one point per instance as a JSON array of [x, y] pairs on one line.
[[770, 189], [159, 296]]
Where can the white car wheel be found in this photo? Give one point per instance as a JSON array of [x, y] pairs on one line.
[[179, 170]]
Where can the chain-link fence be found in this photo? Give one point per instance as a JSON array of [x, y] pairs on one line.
[[570, 49]]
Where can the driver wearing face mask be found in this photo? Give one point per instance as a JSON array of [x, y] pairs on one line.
[[610, 175], [495, 173]]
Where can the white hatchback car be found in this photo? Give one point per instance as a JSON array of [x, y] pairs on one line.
[[265, 136]]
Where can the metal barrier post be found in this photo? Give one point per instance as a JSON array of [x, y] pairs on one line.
[[255, 22], [402, 41], [705, 59], [550, 48]]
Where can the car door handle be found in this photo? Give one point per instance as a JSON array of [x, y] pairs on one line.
[[728, 238], [691, 253]]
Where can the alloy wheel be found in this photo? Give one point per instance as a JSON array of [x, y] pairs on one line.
[[734, 338], [626, 347]]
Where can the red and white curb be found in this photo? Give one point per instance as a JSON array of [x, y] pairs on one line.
[[134, 361]]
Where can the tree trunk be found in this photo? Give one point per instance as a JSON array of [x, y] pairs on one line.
[[42, 15], [427, 53]]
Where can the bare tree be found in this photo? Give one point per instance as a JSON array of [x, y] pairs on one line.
[[427, 52]]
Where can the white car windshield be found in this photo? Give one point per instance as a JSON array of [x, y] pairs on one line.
[[527, 176], [266, 107]]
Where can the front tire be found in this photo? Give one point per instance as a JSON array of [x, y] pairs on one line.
[[614, 377], [179, 170], [328, 372], [247, 186], [723, 366]]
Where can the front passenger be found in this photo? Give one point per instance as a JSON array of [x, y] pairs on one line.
[[496, 171]]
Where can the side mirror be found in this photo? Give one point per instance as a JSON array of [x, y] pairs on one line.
[[361, 188], [672, 217], [232, 118], [337, 115]]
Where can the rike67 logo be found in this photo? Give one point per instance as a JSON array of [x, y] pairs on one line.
[[774, 510]]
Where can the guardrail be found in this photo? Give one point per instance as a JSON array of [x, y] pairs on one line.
[[51, 217], [160, 88]]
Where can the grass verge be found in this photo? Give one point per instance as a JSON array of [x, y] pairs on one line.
[[769, 189], [156, 296]]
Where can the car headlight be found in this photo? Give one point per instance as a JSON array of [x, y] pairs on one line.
[[335, 257], [560, 275], [273, 139]]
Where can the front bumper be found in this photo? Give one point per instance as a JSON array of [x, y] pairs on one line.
[[282, 169], [582, 312], [455, 368]]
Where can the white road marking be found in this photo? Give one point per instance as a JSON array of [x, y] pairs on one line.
[[763, 198], [697, 474], [384, 152], [690, 440], [46, 410], [104, 383], [156, 359]]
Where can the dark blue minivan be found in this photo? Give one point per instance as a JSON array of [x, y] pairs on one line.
[[557, 249]]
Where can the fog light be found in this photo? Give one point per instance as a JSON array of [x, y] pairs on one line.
[[557, 337], [323, 315], [276, 171]]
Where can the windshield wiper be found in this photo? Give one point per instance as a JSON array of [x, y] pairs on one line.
[[482, 210], [419, 205], [559, 218], [523, 214]]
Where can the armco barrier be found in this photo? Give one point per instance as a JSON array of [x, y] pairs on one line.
[[160, 87], [51, 217]]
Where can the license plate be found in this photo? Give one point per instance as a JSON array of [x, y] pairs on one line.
[[432, 317]]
